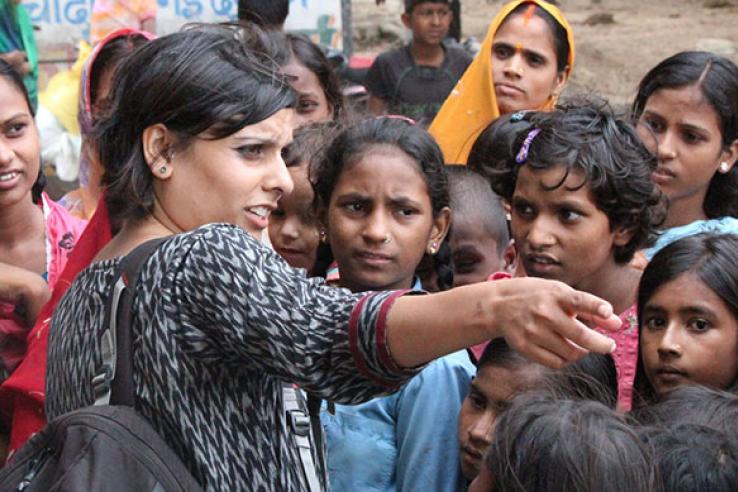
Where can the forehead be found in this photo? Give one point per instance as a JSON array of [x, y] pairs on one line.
[[551, 182], [472, 228], [687, 290], [685, 104], [531, 33], [384, 169], [276, 129], [503, 383], [302, 79], [12, 100]]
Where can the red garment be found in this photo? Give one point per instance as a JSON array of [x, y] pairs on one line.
[[22, 394], [61, 231]]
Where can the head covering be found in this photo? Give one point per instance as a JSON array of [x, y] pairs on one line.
[[472, 104], [86, 121]]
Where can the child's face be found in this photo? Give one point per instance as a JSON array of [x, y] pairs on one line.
[[688, 144], [429, 22], [475, 252], [688, 335], [491, 392], [559, 233], [312, 105], [524, 64], [380, 221], [293, 228]]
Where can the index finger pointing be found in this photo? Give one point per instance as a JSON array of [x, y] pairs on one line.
[[587, 306]]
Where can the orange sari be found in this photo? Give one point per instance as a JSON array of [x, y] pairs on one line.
[[472, 104]]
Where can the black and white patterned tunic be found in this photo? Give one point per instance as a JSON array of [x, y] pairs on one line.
[[218, 320]]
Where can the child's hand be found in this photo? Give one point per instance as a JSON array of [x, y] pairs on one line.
[[539, 319], [23, 287]]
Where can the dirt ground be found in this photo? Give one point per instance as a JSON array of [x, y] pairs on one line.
[[611, 57]]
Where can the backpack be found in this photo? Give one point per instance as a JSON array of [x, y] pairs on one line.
[[107, 446]]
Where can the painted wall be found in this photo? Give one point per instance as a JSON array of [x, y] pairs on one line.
[[61, 24]]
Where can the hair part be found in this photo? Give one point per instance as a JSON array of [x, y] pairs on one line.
[[357, 139], [716, 77]]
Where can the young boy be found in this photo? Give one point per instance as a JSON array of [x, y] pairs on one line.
[[414, 80], [480, 240]]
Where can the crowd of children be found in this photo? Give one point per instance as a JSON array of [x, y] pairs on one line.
[[582, 333]]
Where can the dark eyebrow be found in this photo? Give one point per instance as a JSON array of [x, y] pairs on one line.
[[403, 201], [16, 116], [526, 52], [353, 195], [697, 310], [694, 128]]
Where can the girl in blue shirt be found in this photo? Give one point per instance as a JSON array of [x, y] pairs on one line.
[[383, 193]]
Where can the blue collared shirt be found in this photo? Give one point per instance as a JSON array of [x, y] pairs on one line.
[[407, 441]]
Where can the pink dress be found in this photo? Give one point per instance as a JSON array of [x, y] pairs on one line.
[[625, 355]]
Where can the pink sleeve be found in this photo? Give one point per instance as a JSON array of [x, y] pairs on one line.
[[62, 232]]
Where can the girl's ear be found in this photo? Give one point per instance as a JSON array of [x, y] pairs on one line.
[[441, 225], [510, 257], [321, 212], [157, 147], [729, 156]]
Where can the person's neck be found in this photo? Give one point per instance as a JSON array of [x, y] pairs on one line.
[[20, 223], [427, 54], [615, 283], [686, 211], [138, 231]]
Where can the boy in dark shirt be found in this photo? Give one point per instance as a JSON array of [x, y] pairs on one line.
[[414, 80]]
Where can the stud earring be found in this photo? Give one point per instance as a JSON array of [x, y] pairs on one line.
[[724, 168], [323, 236], [433, 248], [163, 170]]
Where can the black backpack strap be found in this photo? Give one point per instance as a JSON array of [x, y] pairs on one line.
[[113, 382]]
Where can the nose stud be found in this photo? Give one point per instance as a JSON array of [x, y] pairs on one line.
[[387, 239]]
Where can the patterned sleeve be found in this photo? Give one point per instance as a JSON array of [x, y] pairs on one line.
[[240, 303]]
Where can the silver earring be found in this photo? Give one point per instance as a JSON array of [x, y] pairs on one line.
[[163, 170], [724, 168], [323, 236]]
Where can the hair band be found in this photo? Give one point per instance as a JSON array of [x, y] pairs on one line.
[[525, 148]]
